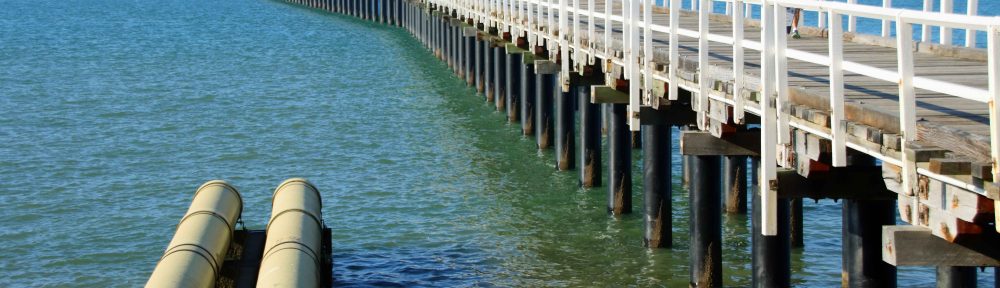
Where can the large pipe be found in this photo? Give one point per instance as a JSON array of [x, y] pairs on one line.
[[195, 254], [294, 237]]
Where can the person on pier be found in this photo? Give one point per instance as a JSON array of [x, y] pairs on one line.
[[792, 21]]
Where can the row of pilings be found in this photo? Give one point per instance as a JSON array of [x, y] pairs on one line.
[[525, 84]]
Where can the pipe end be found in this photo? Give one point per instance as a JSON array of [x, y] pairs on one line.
[[295, 180]]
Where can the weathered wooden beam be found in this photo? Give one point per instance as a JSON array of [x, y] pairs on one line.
[[744, 143], [921, 151], [468, 31], [917, 246], [858, 182], [981, 173], [675, 115], [943, 198], [940, 222], [513, 49], [947, 166], [607, 95], [589, 76], [546, 67]]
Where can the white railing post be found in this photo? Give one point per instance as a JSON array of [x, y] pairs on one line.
[[907, 96], [694, 5], [591, 32], [703, 85], [821, 18], [529, 21], [738, 61], [852, 22], [577, 50], [625, 40], [634, 95], [769, 135], [837, 130], [925, 30], [505, 18], [907, 101], [563, 45], [539, 40], [947, 6], [886, 24], [970, 34], [675, 21], [607, 30], [993, 70], [548, 27], [729, 8], [647, 54], [781, 74]]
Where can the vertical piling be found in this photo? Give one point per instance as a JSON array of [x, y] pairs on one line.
[[636, 140], [590, 138], [705, 222], [528, 97], [486, 71], [619, 162], [686, 165], [656, 176], [735, 183], [455, 43], [458, 44], [771, 255], [499, 76], [565, 138], [446, 40], [458, 50], [862, 239], [479, 80], [546, 87], [795, 216], [463, 48], [956, 277], [382, 11], [513, 84], [473, 60]]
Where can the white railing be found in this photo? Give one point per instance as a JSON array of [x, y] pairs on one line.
[[531, 16]]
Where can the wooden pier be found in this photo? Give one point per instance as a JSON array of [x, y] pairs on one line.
[[887, 124]]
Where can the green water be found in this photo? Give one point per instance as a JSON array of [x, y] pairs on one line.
[[115, 111]]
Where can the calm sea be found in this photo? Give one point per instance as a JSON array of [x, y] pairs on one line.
[[113, 112]]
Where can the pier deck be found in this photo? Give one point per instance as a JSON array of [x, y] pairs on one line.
[[911, 130], [956, 126]]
